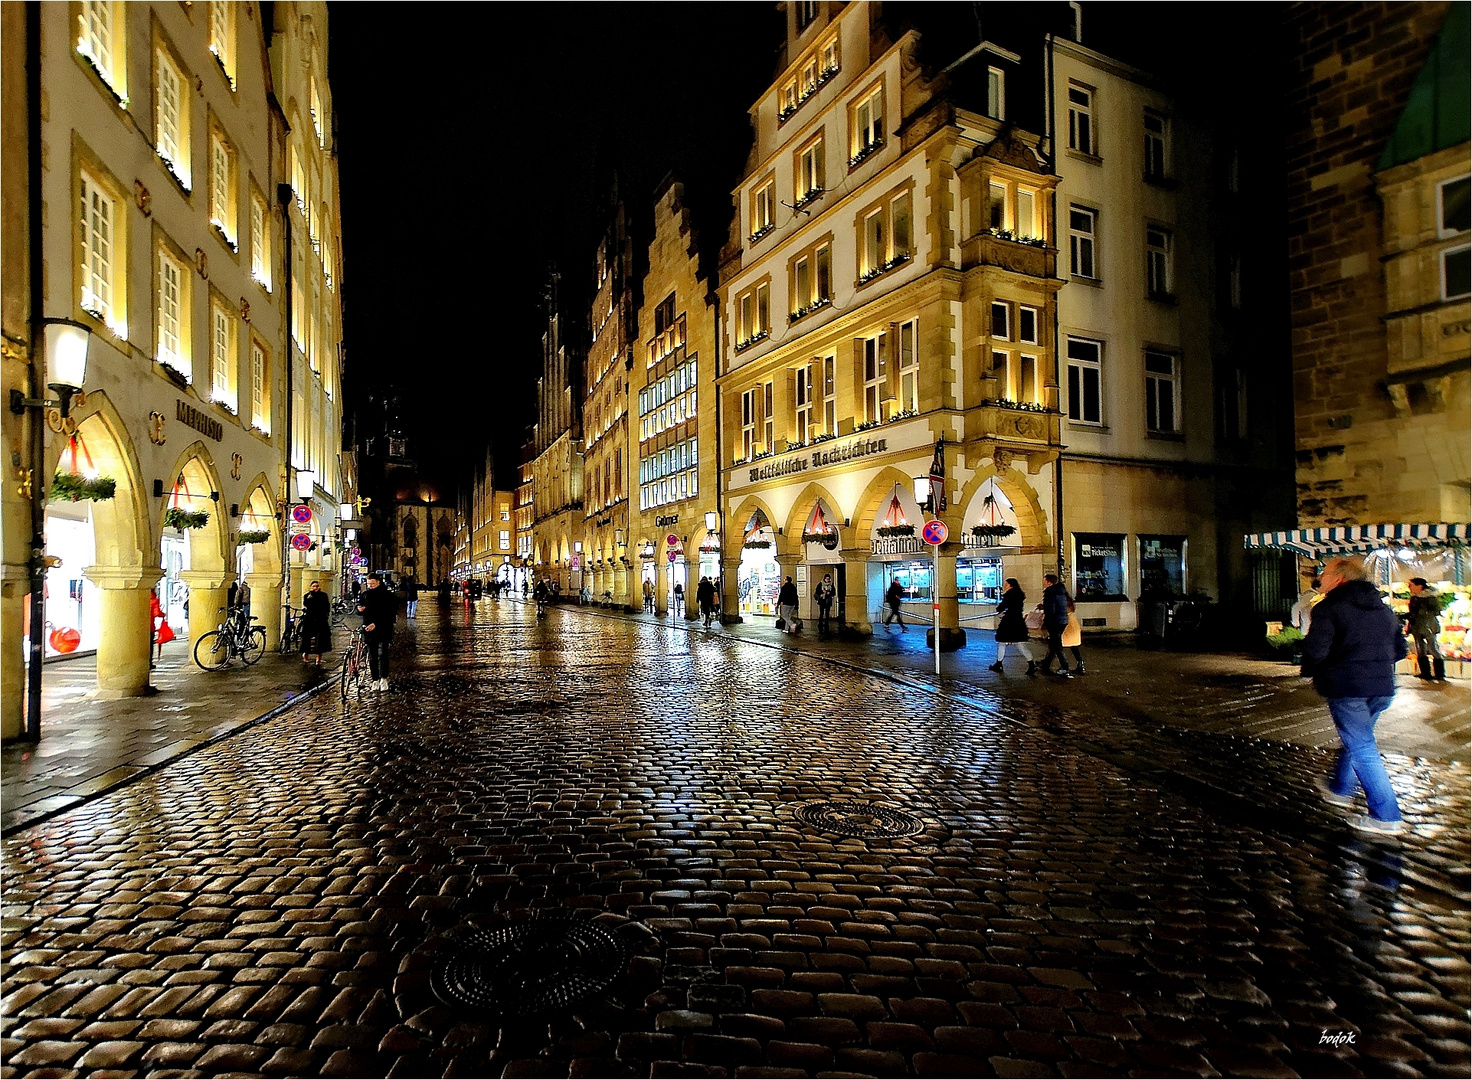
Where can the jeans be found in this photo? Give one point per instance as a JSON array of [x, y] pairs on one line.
[[378, 657], [1055, 648], [1354, 719], [894, 613], [823, 615]]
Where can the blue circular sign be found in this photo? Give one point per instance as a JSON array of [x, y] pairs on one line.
[[935, 532]]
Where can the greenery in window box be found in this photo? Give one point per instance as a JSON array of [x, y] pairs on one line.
[[757, 545], [74, 488], [175, 376], [813, 195], [896, 530], [172, 171], [1019, 406], [760, 335], [763, 231], [865, 152], [254, 536], [175, 518], [898, 260], [998, 531], [1016, 238], [821, 302], [817, 537], [867, 424], [905, 415]]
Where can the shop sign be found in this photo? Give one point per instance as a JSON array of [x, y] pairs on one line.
[[203, 423], [896, 545], [819, 458], [666, 520], [1098, 551]]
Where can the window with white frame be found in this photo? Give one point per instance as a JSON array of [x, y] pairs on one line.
[[172, 313], [1157, 261], [298, 313], [1085, 386], [222, 352], [1081, 120], [828, 57], [259, 405], [749, 404], [1027, 324], [1157, 133], [260, 243], [101, 39], [1452, 219], [764, 208], [171, 116], [103, 288], [1002, 372], [1001, 320], [769, 401], [222, 187], [811, 171], [802, 397], [1082, 224], [997, 216], [876, 373], [812, 279], [886, 240], [753, 314], [830, 396], [1162, 393], [1027, 224], [996, 93], [909, 366], [505, 537], [867, 124], [222, 37]]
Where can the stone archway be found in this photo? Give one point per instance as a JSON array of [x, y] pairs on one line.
[[1033, 534], [125, 563], [258, 514], [195, 486]]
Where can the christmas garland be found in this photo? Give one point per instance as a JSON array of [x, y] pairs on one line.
[[896, 530], [993, 530], [174, 518], [254, 536], [76, 488]]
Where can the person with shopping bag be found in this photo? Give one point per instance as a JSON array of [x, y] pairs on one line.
[[159, 620]]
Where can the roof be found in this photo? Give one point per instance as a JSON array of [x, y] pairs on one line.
[[1438, 112]]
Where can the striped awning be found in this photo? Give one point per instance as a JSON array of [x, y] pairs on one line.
[[1361, 539]]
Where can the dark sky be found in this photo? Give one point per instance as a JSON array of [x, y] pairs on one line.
[[468, 137]]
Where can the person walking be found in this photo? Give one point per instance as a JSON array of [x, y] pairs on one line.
[[411, 598], [379, 608], [316, 624], [1011, 629], [1073, 637], [1303, 608], [787, 606], [159, 619], [648, 590], [1424, 624], [893, 597], [705, 596], [824, 596], [1350, 652], [1055, 621]]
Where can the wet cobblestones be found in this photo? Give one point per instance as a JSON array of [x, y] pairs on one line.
[[1076, 905]]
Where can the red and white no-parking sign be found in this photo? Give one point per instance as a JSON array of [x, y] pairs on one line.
[[934, 532]]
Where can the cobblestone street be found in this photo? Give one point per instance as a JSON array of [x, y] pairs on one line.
[[1086, 895]]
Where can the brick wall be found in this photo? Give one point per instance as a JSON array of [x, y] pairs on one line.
[[1350, 69]]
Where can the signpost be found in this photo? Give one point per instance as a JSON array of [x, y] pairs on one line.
[[301, 541], [934, 533]]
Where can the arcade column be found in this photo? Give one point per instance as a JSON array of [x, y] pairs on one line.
[[125, 630]]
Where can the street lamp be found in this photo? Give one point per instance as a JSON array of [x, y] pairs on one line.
[[712, 521], [306, 479], [922, 492], [64, 352], [345, 510]]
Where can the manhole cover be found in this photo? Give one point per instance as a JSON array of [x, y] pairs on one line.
[[859, 819], [536, 966]]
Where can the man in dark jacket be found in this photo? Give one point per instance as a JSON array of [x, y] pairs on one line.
[[1425, 624], [1055, 621], [705, 596], [1350, 651], [379, 607]]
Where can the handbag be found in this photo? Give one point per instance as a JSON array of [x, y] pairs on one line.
[[1033, 620], [781, 624]]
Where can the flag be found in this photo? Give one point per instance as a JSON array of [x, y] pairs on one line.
[[938, 479]]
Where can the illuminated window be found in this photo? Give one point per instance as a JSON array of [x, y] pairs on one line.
[[259, 401], [1081, 120], [867, 125], [222, 187], [909, 362], [260, 243], [1162, 393], [1027, 218], [171, 117], [103, 286], [810, 171], [748, 423], [812, 279], [886, 237], [769, 400], [753, 314], [807, 11], [876, 371], [173, 314], [803, 399], [829, 57], [319, 122], [764, 208], [298, 181], [222, 353], [101, 39], [222, 37], [996, 88], [830, 396]]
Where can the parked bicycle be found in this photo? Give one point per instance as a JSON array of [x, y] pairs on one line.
[[232, 639], [291, 631], [355, 664], [342, 608]]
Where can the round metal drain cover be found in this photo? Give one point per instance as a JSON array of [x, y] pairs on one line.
[[536, 966], [860, 820]]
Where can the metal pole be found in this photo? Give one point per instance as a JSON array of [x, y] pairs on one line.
[[284, 197], [935, 604], [36, 417]]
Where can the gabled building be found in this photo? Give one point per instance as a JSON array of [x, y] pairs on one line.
[[557, 449]]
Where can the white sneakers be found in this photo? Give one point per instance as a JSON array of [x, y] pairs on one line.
[[378, 686]]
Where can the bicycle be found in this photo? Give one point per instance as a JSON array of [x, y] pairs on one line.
[[342, 607], [231, 639], [354, 663], [291, 631]]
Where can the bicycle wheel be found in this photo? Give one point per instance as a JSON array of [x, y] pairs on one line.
[[212, 651], [255, 645], [351, 673]]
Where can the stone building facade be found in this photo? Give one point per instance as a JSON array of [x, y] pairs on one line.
[[1380, 343], [557, 451]]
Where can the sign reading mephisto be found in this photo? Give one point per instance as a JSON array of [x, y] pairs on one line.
[[200, 422], [819, 458]]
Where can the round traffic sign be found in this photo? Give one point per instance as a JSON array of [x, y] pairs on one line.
[[934, 532], [301, 541], [672, 556], [301, 513], [672, 540]]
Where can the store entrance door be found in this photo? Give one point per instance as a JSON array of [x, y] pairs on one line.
[[677, 577]]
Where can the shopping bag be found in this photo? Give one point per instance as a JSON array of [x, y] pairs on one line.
[[781, 624], [165, 632], [1033, 620]]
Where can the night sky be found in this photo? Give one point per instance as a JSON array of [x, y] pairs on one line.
[[470, 136]]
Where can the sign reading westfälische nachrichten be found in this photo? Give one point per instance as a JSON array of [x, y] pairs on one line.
[[200, 422], [819, 458]]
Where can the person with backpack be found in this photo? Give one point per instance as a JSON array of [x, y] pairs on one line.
[[787, 607]]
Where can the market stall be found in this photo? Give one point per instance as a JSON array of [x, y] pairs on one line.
[[1393, 555]]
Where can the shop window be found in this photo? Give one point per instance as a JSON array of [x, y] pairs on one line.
[[1099, 567], [1162, 566]]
